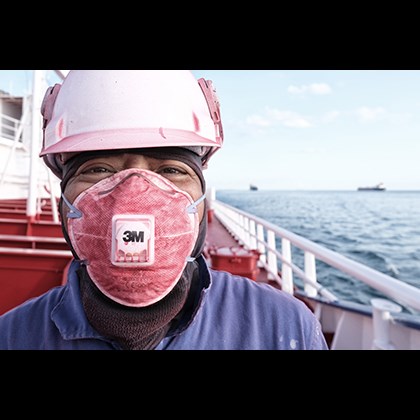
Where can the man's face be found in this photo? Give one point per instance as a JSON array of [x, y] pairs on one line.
[[98, 168]]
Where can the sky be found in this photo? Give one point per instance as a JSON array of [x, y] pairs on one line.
[[307, 129]]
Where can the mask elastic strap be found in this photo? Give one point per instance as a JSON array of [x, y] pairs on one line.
[[192, 208], [74, 213]]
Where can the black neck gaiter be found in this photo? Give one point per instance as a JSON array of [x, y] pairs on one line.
[[136, 328], [140, 328]]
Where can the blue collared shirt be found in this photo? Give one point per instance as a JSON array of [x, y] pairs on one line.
[[233, 313]]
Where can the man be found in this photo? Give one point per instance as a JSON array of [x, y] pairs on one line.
[[130, 148]]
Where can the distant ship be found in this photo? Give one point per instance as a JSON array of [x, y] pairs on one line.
[[253, 187], [377, 187]]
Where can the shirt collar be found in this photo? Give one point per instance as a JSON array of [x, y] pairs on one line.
[[70, 319]]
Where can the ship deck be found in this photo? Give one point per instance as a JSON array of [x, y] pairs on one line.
[[219, 237]]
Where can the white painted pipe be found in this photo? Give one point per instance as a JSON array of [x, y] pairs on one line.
[[382, 309]]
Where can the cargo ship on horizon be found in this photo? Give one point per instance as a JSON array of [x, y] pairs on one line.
[[377, 187]]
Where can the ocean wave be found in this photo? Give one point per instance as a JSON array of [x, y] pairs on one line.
[[380, 231]]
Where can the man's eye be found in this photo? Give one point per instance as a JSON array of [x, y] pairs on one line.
[[170, 170], [95, 170], [95, 173]]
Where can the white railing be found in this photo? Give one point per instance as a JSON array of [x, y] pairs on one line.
[[256, 233]]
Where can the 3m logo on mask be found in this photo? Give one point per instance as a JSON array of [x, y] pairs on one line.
[[133, 236], [133, 240]]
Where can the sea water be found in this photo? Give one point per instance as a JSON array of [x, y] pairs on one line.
[[380, 229]]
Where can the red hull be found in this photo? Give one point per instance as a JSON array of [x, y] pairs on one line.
[[26, 273], [33, 253]]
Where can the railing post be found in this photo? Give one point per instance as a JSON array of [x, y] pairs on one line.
[[286, 270], [247, 236], [210, 198], [310, 271], [237, 225], [381, 321], [261, 246], [38, 86], [271, 256], [252, 235]]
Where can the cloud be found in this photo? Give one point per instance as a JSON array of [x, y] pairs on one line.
[[258, 120], [368, 114], [371, 114], [276, 116], [288, 118], [313, 88], [330, 116]]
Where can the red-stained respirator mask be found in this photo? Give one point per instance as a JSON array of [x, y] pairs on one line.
[[135, 232]]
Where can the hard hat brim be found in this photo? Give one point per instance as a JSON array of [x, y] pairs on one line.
[[129, 139]]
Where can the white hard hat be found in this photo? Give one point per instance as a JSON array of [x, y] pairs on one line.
[[124, 109]]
